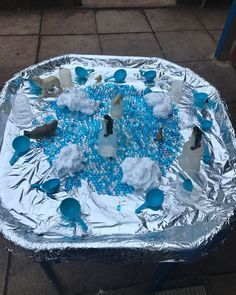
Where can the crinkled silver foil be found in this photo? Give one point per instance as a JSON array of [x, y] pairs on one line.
[[31, 220]]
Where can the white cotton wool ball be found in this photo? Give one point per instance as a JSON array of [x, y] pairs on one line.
[[153, 99], [69, 160], [141, 173], [163, 111], [78, 101]]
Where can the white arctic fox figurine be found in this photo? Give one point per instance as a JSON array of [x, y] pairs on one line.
[[48, 85]]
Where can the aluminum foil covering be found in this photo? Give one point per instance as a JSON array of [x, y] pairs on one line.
[[31, 220]]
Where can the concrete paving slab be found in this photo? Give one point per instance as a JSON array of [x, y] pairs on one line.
[[224, 284], [216, 34], [121, 21], [219, 74], [186, 46], [58, 45], [213, 17], [19, 22], [143, 44], [7, 73], [68, 21], [27, 278], [88, 277], [3, 266], [134, 290], [17, 51], [232, 111], [195, 290], [127, 3], [174, 19], [217, 262]]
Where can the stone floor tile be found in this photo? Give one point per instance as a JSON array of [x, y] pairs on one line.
[[216, 34], [232, 111], [217, 262], [27, 278], [17, 51], [69, 21], [121, 21], [3, 266], [134, 290], [7, 73], [219, 74], [87, 277], [213, 17], [223, 285], [143, 44], [19, 22], [127, 3], [58, 45], [173, 19], [186, 46]]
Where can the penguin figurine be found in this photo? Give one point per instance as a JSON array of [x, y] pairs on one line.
[[197, 133], [45, 130], [108, 123]]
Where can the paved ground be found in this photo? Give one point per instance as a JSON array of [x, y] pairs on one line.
[[187, 36]]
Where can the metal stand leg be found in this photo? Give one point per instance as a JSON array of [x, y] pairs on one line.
[[52, 276], [228, 35], [162, 271]]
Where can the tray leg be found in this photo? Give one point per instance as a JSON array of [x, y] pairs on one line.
[[46, 267], [162, 271]]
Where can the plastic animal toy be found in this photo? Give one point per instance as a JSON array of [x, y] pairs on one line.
[[108, 122], [45, 130], [159, 134], [98, 78], [197, 133], [117, 107], [48, 85], [107, 139]]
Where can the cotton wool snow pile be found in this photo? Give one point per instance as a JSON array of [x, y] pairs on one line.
[[69, 160], [142, 174], [161, 103], [78, 101]]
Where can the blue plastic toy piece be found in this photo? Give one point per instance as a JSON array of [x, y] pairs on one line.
[[50, 186], [34, 87], [71, 210], [149, 90], [200, 99], [21, 145], [205, 123], [187, 184], [119, 76], [206, 155], [154, 200], [82, 74], [148, 76]]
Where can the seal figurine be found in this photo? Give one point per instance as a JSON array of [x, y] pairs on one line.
[[45, 130]]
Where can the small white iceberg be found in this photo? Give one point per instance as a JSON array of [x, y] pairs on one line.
[[69, 160], [142, 174], [161, 103], [77, 101]]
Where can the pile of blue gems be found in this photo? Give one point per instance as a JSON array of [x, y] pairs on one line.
[[136, 132]]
